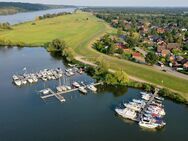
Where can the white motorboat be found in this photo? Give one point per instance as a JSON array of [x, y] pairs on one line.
[[76, 84], [92, 88], [68, 87], [45, 91], [145, 93], [146, 97], [53, 77], [68, 74], [18, 82], [15, 77], [72, 65], [44, 79], [147, 124], [49, 77], [133, 106], [35, 79], [24, 81], [126, 113], [139, 101], [159, 98], [82, 90], [59, 89], [63, 88], [30, 80]]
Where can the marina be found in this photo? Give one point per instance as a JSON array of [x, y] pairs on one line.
[[148, 112], [44, 75], [83, 116], [58, 95]]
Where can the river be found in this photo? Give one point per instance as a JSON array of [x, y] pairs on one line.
[[30, 16], [25, 116]]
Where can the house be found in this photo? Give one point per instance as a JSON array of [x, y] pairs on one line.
[[136, 55], [184, 61], [161, 46], [172, 58], [127, 26], [179, 58], [176, 64], [120, 45], [155, 38], [165, 52], [171, 46], [160, 30], [185, 65], [143, 29], [184, 30], [115, 21]]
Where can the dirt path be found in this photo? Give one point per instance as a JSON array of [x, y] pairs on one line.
[[81, 59]]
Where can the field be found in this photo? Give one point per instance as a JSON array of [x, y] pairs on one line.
[[79, 30]]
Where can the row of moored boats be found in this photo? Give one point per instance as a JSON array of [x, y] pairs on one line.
[[148, 111], [80, 86], [46, 74]]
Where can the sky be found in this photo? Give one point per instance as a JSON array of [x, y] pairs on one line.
[[146, 3]]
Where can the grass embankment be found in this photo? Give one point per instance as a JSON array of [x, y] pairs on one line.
[[79, 33]]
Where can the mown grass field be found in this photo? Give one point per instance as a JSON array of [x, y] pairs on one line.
[[79, 33]]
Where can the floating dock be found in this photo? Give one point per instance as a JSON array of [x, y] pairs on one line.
[[141, 113], [59, 96]]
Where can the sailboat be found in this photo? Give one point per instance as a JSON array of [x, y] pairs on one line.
[[45, 90], [61, 88]]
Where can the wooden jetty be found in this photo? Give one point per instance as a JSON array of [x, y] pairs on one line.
[[147, 104], [59, 96]]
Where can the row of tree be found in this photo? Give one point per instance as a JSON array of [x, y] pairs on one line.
[[46, 16], [5, 26], [59, 46], [102, 73]]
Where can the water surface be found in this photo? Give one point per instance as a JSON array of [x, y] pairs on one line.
[[26, 117], [30, 16]]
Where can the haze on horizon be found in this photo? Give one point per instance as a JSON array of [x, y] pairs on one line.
[[136, 3]]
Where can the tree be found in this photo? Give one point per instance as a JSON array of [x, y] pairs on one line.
[[110, 79], [101, 70], [57, 45], [119, 31], [68, 53], [185, 47], [151, 58], [118, 78], [131, 42], [120, 51], [121, 77]]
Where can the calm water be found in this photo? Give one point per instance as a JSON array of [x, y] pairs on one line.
[[29, 16], [25, 117]]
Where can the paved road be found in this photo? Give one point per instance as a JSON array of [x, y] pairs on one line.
[[168, 69], [81, 59], [172, 72]]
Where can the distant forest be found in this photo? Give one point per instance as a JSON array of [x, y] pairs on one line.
[[15, 7], [146, 10]]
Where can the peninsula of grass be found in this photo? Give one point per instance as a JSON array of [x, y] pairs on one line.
[[80, 30]]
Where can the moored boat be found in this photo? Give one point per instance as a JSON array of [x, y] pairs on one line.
[[76, 84], [92, 87], [127, 113], [82, 90]]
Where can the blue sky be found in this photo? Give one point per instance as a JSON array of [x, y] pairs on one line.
[[163, 3]]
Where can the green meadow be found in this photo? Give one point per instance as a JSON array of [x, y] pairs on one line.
[[80, 30]]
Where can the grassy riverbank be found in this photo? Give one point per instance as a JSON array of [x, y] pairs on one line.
[[80, 30]]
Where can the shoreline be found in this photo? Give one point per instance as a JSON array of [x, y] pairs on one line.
[[134, 83], [89, 52]]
